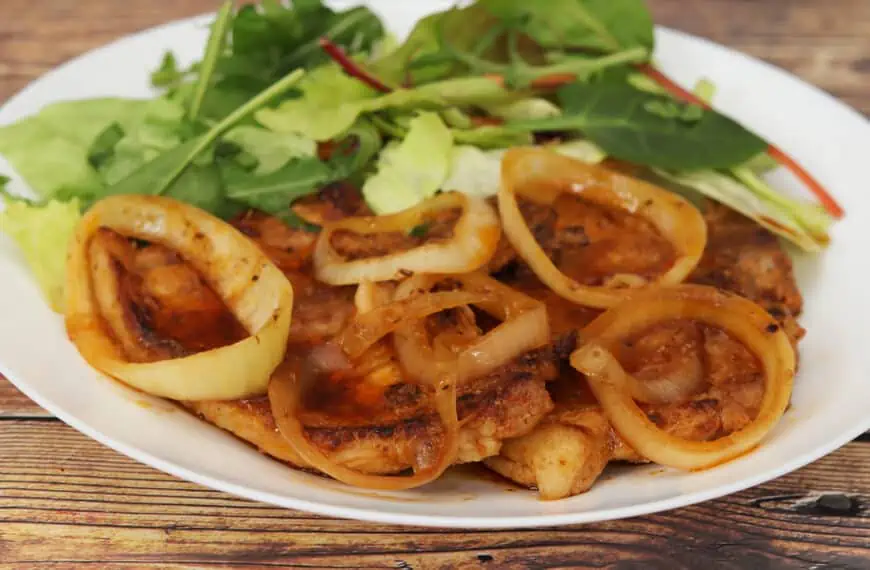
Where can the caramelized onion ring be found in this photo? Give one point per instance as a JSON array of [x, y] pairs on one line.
[[285, 390], [743, 319], [524, 327], [474, 241], [255, 291], [289, 382], [541, 176]]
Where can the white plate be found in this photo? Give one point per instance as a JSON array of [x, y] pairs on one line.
[[832, 389]]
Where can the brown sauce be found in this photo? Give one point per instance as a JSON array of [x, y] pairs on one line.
[[171, 307], [592, 243]]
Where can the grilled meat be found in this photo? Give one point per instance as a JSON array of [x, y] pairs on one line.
[[568, 451], [507, 403]]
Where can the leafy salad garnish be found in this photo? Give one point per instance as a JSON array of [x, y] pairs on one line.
[[287, 99]]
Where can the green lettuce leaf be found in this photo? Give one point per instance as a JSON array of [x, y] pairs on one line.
[[43, 233], [53, 150], [412, 170], [477, 172]]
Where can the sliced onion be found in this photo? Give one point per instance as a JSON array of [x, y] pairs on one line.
[[370, 296], [368, 328], [743, 319], [285, 390], [524, 327], [291, 379], [474, 241], [255, 291], [670, 388], [541, 176]]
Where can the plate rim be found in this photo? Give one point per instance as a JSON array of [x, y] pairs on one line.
[[419, 520]]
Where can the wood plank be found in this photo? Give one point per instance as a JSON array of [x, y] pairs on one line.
[[67, 499], [14, 404]]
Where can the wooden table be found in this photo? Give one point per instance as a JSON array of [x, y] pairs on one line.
[[66, 501]]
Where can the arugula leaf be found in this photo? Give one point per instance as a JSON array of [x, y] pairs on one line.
[[43, 232], [273, 193], [354, 153], [266, 42], [202, 186], [355, 29], [269, 149], [413, 170], [156, 176], [604, 25], [213, 51], [613, 116]]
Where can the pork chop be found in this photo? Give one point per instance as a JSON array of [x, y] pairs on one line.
[[567, 452]]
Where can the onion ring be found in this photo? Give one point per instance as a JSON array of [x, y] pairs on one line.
[[541, 176], [474, 242], [524, 327], [255, 291], [741, 318], [289, 381]]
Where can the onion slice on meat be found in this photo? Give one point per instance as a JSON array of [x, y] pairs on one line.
[[541, 176], [742, 319], [297, 372], [254, 290], [524, 327], [473, 243], [285, 392]]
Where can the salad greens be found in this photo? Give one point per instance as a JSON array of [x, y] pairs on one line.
[[42, 234], [412, 170], [289, 97], [643, 128]]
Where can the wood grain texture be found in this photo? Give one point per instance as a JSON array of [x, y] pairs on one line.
[[64, 494], [68, 502]]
